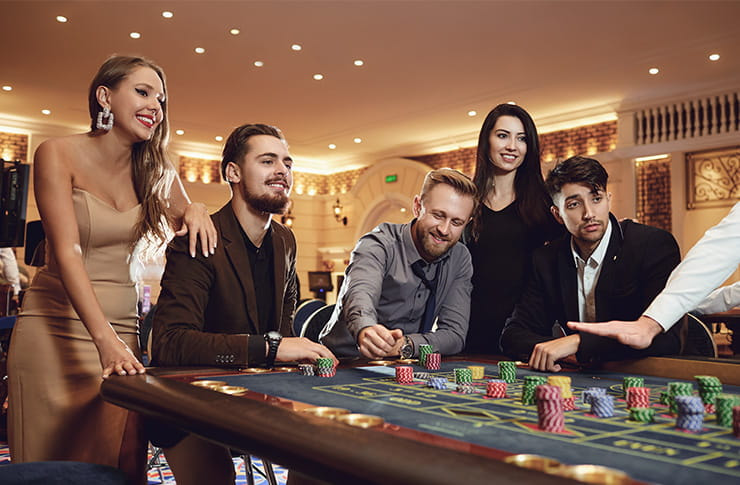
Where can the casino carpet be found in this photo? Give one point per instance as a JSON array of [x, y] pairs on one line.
[[161, 473]]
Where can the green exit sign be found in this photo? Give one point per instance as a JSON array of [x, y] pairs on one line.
[[391, 178]]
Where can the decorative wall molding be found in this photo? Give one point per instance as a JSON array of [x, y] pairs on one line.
[[713, 178]]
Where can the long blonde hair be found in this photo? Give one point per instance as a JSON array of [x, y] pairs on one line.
[[152, 172]]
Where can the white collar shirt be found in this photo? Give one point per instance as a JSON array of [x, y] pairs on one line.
[[588, 275]]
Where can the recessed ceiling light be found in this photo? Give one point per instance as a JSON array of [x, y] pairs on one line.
[[318, 77], [7, 88], [167, 14], [332, 146], [258, 63], [472, 112], [46, 111], [135, 35], [179, 132], [357, 140], [61, 19], [219, 138], [653, 70], [511, 102], [403, 209], [234, 31], [713, 57], [199, 50], [359, 62], [296, 47]]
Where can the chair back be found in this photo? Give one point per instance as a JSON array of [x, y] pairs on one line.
[[305, 310], [316, 322], [696, 337]]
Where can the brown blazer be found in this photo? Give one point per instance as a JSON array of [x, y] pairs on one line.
[[206, 313]]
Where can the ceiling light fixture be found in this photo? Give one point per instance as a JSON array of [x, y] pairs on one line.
[[511, 102], [7, 88], [199, 50], [472, 112], [258, 63], [179, 132], [167, 14], [359, 62], [135, 35], [296, 47], [713, 57], [61, 19], [357, 140], [219, 138], [46, 112], [234, 31], [332, 146], [318, 77], [653, 70]]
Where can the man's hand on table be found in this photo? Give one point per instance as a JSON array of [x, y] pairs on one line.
[[546, 354], [377, 342]]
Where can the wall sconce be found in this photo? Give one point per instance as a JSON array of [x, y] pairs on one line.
[[337, 207]]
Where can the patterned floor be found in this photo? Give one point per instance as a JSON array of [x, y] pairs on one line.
[[161, 473]]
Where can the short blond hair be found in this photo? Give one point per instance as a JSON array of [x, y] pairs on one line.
[[460, 182]]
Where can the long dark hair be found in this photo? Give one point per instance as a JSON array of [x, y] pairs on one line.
[[532, 200], [153, 174]]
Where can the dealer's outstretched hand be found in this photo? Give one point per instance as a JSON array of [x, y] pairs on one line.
[[638, 334]]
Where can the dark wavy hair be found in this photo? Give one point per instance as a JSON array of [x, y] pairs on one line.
[[577, 170], [236, 145], [533, 201]]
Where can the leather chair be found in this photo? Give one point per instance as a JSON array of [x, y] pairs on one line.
[[316, 322]]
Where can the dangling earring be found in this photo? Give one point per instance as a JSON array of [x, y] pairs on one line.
[[100, 125]]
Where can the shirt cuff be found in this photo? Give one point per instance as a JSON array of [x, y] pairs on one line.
[[255, 350]]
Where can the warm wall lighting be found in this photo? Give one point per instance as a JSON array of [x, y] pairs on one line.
[[337, 209], [287, 219]]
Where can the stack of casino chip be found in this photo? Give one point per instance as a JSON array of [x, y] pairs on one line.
[[678, 389], [642, 414], [736, 421], [724, 404], [466, 388], [325, 367], [424, 350], [507, 371], [690, 412], [478, 371], [496, 388], [404, 374], [463, 376], [422, 376], [563, 382], [709, 388], [528, 389], [638, 397], [433, 361], [439, 383], [588, 394], [550, 408], [631, 381], [665, 398], [307, 369], [602, 405]]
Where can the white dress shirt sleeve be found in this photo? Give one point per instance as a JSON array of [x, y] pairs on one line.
[[710, 262]]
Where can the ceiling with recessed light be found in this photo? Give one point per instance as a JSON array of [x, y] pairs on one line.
[[372, 79]]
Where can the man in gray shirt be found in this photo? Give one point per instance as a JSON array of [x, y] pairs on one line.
[[403, 277]]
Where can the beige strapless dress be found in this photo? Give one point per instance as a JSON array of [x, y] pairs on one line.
[[55, 410]]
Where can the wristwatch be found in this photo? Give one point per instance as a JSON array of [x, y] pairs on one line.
[[273, 339], [407, 349]]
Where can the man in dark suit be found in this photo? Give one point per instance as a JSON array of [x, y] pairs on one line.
[[602, 270], [235, 307]]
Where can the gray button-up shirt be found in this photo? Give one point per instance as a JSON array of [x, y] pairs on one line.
[[380, 287]]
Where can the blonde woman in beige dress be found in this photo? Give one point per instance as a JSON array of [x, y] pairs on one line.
[[99, 195]]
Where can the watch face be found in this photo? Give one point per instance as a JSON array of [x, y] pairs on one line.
[[406, 351], [273, 335]]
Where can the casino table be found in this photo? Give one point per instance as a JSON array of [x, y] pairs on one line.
[[438, 436]]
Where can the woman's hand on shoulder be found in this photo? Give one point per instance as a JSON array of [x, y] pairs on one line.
[[197, 223], [116, 358]]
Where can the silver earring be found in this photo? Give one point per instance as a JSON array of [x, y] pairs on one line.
[[100, 125]]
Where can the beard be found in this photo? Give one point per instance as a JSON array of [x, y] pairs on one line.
[[270, 203], [431, 249]]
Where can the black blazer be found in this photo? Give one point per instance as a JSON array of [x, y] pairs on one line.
[[635, 268], [207, 310]]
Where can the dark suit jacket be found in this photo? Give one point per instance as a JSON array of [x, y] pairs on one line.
[[207, 310], [635, 268]]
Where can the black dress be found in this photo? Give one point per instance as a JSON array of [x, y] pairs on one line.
[[502, 260]]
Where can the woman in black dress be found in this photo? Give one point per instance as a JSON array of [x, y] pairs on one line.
[[512, 219]]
